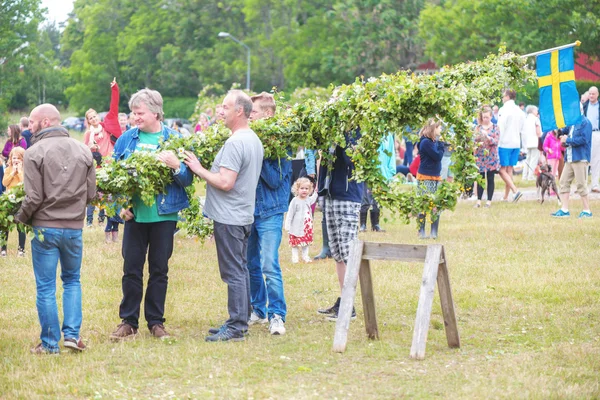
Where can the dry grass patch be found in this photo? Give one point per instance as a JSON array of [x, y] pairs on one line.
[[526, 292]]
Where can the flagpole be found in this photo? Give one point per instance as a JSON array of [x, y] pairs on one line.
[[566, 46]]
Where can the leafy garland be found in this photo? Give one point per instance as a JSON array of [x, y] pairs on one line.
[[378, 106], [10, 202]]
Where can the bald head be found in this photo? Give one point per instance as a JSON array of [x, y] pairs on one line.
[[43, 116], [593, 94]]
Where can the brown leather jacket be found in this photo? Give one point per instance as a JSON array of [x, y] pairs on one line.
[[60, 179]]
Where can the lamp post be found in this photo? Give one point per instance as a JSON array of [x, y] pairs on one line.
[[225, 35]]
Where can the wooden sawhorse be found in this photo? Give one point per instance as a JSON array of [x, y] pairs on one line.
[[435, 270]]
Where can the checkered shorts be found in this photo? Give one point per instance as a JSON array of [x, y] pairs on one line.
[[342, 226]]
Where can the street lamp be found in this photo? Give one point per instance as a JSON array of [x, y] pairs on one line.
[[225, 35]]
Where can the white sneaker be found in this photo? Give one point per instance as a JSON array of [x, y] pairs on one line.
[[277, 326], [255, 319]]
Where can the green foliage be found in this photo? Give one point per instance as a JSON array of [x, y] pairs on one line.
[[18, 32], [10, 202], [174, 47], [462, 30], [377, 107], [179, 107]]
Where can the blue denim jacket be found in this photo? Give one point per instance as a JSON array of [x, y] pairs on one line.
[[273, 189], [579, 142], [175, 198]]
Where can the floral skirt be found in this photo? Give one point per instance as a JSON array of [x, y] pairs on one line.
[[307, 238]]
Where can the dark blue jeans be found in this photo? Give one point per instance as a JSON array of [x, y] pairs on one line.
[[139, 239], [22, 238], [90, 214]]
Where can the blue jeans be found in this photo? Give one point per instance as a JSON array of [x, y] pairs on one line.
[[263, 258], [48, 246]]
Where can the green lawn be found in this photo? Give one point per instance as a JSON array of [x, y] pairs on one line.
[[526, 289]]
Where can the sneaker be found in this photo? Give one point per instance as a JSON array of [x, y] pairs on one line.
[[561, 214], [255, 319], [363, 228], [226, 335], [89, 225], [41, 350], [518, 195], [377, 228], [334, 317], [159, 331], [21, 253], [74, 344], [124, 332], [585, 214], [277, 326], [212, 331], [3, 253], [332, 310]]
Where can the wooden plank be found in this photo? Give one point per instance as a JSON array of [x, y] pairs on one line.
[[430, 272], [394, 251], [443, 281], [348, 294], [368, 299]]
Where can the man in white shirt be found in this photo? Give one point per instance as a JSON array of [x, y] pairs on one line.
[[510, 122], [591, 109]]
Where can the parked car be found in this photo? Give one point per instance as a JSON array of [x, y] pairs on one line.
[[186, 124], [74, 123]]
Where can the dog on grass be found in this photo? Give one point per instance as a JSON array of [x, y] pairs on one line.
[[546, 181]]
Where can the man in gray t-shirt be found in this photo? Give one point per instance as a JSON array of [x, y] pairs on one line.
[[230, 198], [242, 153]]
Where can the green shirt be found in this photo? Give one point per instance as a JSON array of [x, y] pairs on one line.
[[142, 212]]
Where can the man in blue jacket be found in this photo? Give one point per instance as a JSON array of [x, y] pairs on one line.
[[149, 229], [578, 154], [272, 194], [342, 206]]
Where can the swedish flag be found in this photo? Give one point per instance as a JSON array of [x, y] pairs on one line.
[[559, 99]]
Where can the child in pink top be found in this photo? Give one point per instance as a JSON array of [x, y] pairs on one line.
[[553, 150]]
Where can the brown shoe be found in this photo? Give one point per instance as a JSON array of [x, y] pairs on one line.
[[74, 344], [40, 350], [159, 331], [124, 332]]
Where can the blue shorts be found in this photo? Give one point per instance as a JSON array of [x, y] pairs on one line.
[[508, 157]]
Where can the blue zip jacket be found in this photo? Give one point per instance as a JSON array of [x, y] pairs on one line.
[[175, 199], [431, 156], [342, 187], [273, 189], [581, 141]]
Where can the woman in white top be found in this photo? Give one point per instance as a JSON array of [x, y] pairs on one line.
[[530, 136]]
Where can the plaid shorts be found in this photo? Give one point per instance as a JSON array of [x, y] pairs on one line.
[[342, 226]]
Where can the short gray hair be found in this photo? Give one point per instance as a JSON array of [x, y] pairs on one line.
[[242, 100], [531, 109], [151, 98]]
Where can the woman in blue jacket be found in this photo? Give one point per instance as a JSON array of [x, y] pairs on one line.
[[431, 150]]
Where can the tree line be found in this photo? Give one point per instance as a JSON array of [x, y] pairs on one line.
[[173, 45]]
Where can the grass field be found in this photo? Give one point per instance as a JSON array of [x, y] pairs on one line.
[[526, 289]]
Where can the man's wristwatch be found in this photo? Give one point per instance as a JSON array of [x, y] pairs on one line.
[[176, 171]]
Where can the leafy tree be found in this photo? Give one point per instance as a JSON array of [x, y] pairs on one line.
[[461, 30], [19, 20], [95, 51], [41, 79]]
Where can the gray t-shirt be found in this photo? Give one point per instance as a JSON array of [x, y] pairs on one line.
[[243, 153]]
